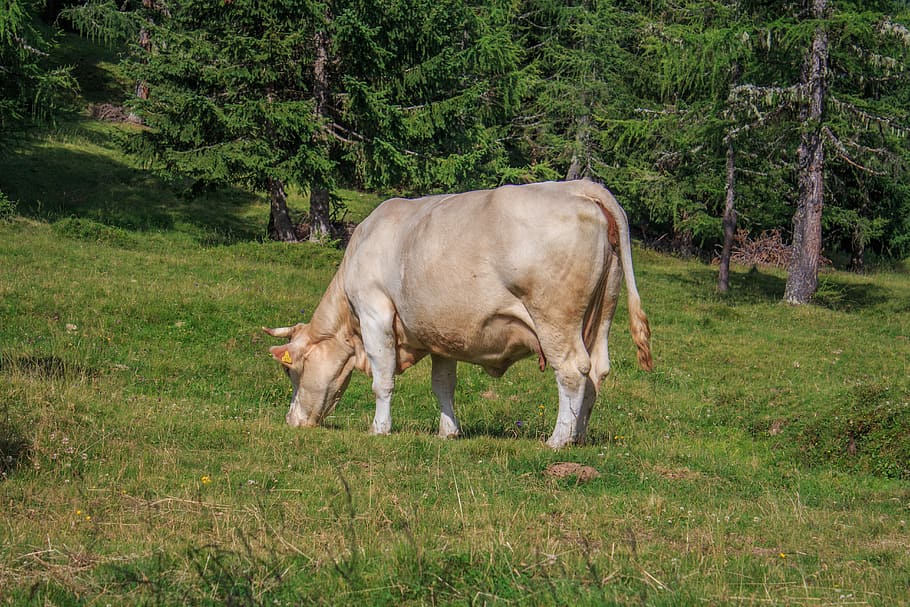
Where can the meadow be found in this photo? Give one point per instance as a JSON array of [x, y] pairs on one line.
[[144, 457]]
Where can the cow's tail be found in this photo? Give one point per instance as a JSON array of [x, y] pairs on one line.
[[622, 240]]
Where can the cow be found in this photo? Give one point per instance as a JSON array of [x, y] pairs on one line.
[[486, 277]]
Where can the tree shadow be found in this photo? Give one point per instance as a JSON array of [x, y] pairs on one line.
[[746, 287], [753, 286], [46, 367], [53, 182], [94, 67], [837, 293], [757, 286], [15, 449]]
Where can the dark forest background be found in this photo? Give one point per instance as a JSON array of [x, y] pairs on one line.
[[720, 125]]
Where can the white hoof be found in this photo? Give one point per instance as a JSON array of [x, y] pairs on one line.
[[448, 428], [380, 428], [558, 442]]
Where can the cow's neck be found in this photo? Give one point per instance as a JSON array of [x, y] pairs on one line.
[[332, 317]]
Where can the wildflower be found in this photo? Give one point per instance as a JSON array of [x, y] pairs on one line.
[[782, 555], [519, 423], [205, 480]]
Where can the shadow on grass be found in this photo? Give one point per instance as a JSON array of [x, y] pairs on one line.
[[751, 287], [757, 286], [14, 448], [837, 294], [94, 65], [53, 182], [45, 367]]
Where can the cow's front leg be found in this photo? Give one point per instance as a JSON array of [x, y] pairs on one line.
[[443, 379], [571, 421], [379, 343]]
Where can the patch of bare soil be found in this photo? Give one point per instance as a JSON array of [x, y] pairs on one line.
[[565, 469]]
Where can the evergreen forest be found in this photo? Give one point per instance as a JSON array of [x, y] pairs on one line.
[[717, 123]]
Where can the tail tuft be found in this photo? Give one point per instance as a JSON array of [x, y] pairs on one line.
[[641, 335]]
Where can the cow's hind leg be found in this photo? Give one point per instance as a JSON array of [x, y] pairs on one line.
[[576, 391], [576, 396], [597, 341], [443, 379]]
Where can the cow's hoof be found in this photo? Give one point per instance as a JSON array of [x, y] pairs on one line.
[[298, 422], [557, 442], [380, 429], [448, 428]]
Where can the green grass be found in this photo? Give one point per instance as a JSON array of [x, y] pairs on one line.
[[144, 457]]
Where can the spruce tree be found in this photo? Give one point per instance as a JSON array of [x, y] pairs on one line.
[[429, 91], [31, 89], [669, 148], [231, 97], [578, 72]]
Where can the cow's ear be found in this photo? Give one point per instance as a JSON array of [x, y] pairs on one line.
[[283, 355]]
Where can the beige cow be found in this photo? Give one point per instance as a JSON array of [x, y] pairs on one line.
[[486, 277]]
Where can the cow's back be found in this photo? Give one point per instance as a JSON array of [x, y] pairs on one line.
[[473, 275]]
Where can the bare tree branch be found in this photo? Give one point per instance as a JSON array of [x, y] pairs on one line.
[[845, 155]]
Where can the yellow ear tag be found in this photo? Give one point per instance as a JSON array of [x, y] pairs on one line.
[[286, 358]]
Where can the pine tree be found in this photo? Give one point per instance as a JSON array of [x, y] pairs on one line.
[[578, 68], [231, 97], [838, 120], [802, 274], [725, 86], [670, 148], [429, 90], [30, 88]]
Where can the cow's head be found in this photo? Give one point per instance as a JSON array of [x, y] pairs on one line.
[[319, 367]]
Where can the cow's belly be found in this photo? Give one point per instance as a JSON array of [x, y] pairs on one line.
[[494, 341]]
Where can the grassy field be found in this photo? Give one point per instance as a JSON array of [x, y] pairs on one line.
[[144, 457]]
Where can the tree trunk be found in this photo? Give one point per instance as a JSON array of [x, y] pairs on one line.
[[141, 90], [320, 220], [280, 225], [145, 43], [320, 224], [802, 277], [858, 250], [729, 222], [581, 157]]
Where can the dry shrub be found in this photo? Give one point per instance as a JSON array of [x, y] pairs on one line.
[[767, 249], [109, 112]]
